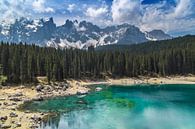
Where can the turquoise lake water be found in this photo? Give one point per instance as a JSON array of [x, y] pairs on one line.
[[119, 107]]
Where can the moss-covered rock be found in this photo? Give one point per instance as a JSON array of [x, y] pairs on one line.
[[120, 102]]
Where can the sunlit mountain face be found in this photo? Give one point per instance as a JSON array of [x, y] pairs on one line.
[[74, 34], [82, 23]]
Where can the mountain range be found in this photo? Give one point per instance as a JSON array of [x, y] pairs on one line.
[[74, 34]]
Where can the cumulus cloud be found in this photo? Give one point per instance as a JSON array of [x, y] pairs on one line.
[[164, 15], [183, 8], [154, 16], [125, 11], [12, 9], [39, 6], [71, 7], [96, 12]]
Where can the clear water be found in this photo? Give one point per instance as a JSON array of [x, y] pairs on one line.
[[117, 107]]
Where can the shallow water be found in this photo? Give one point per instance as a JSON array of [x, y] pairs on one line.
[[117, 107]]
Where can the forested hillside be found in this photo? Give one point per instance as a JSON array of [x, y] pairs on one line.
[[22, 63], [150, 46]]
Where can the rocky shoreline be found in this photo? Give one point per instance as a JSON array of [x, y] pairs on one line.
[[11, 99]]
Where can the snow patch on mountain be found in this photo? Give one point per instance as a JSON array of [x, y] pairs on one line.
[[64, 43], [74, 34], [150, 38]]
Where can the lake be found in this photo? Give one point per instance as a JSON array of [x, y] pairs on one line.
[[122, 107]]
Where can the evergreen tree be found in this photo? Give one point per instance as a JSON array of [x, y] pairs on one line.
[[22, 63]]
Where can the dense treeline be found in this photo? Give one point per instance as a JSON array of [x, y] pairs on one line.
[[151, 46], [22, 63]]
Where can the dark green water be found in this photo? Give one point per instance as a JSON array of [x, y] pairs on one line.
[[117, 107]]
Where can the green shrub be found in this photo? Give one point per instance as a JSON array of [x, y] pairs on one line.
[[3, 80]]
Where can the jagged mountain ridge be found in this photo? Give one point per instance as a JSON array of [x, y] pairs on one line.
[[74, 34]]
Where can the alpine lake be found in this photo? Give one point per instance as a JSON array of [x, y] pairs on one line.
[[122, 107]]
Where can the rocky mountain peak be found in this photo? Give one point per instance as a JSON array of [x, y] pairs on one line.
[[75, 34], [158, 35]]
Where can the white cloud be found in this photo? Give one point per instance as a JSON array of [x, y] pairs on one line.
[[183, 8], [162, 15], [12, 9], [125, 11], [96, 12], [99, 15], [154, 16], [39, 6], [71, 7]]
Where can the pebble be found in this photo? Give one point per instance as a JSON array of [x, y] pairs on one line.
[[1, 99], [13, 109], [5, 126], [16, 99], [34, 126], [13, 114], [18, 125], [39, 88], [27, 111], [36, 118], [43, 91], [5, 103], [3, 118]]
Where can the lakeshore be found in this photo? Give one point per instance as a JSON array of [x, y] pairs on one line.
[[12, 97]]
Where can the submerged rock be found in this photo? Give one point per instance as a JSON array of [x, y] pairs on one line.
[[81, 102], [39, 99], [98, 89], [82, 92], [120, 102], [81, 96]]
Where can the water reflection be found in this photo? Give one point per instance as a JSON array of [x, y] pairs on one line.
[[163, 107]]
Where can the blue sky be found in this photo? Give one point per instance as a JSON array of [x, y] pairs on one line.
[[176, 17]]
